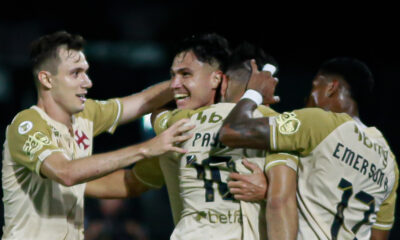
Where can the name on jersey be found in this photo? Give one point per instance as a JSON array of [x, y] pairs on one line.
[[207, 139], [361, 164]]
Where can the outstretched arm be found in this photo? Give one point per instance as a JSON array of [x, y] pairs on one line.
[[119, 184], [148, 100], [58, 168]]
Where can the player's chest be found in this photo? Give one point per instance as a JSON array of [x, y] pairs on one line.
[[77, 142]]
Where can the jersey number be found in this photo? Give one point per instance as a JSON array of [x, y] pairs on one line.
[[361, 196], [215, 175]]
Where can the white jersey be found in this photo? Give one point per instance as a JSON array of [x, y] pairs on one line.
[[198, 179], [347, 175], [36, 207]]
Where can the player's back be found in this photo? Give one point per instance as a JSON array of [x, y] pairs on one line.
[[345, 175]]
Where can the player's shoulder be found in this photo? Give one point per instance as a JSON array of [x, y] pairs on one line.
[[267, 111], [25, 120], [317, 117], [92, 106]]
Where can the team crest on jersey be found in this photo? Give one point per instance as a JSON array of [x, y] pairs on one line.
[[288, 123], [34, 143], [25, 127], [81, 139]]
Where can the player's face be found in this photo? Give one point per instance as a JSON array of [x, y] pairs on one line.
[[318, 96], [71, 83], [194, 83]]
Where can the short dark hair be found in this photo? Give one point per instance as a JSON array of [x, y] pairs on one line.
[[209, 48], [239, 63], [355, 73], [46, 47]]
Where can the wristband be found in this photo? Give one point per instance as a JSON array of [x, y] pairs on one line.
[[270, 68], [253, 95]]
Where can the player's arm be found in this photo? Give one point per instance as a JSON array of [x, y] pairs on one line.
[[239, 128], [385, 218], [146, 101], [281, 210], [280, 196], [58, 168], [119, 184], [377, 234]]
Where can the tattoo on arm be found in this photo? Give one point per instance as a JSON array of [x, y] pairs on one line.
[[240, 129]]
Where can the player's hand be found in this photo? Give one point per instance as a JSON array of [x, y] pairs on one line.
[[167, 140], [264, 83], [248, 187]]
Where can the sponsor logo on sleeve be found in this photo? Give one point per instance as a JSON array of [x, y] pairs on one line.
[[288, 123], [25, 127], [34, 143]]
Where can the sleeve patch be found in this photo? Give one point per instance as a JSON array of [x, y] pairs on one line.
[[25, 127], [34, 143], [288, 123]]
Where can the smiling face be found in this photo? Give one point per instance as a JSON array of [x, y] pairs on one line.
[[194, 83], [71, 82]]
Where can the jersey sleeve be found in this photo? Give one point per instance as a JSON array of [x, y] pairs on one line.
[[165, 119], [30, 140], [148, 172], [104, 114], [160, 123], [302, 130], [385, 216], [266, 111], [274, 159]]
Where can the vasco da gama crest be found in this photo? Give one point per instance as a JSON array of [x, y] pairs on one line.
[[288, 123]]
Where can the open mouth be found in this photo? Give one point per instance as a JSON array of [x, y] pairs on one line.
[[81, 97], [181, 96]]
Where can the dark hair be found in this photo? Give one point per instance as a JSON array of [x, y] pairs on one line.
[[355, 73], [209, 48], [239, 63], [46, 47]]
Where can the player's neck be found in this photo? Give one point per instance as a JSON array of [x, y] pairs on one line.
[[55, 111]]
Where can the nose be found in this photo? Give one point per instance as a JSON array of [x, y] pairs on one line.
[[87, 83], [176, 82]]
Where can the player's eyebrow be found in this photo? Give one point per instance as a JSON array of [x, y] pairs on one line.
[[182, 70]]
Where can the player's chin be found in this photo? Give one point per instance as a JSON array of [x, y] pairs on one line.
[[183, 104], [78, 108]]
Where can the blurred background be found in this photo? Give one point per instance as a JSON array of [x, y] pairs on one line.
[[129, 47]]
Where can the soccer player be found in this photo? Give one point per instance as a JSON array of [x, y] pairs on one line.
[[47, 153], [199, 178], [347, 174]]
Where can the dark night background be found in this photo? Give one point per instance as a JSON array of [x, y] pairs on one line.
[[129, 47]]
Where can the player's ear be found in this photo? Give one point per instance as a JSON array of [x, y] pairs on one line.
[[333, 87], [216, 79], [224, 85], [45, 79]]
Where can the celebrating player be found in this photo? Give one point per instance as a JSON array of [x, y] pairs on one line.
[[199, 177], [347, 175], [47, 154]]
